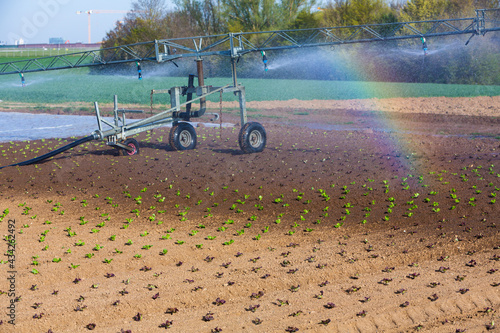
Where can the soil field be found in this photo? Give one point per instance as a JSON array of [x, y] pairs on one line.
[[351, 220]]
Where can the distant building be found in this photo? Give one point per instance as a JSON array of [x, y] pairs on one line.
[[56, 40], [19, 41]]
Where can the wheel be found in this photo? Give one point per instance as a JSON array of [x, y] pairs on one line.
[[132, 143], [252, 138], [182, 137]]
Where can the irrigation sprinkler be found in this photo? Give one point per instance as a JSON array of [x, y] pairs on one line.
[[182, 135], [139, 70], [264, 59], [252, 136], [23, 81], [424, 45]]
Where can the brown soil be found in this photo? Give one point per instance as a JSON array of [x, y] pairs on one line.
[[357, 217]]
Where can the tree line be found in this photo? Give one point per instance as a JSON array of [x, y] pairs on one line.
[[477, 63]]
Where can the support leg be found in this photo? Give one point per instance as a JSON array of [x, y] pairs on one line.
[[243, 105], [115, 110]]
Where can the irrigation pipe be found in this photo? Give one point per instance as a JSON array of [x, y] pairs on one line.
[[53, 153]]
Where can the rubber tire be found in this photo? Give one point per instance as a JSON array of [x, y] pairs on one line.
[[131, 143], [182, 137], [252, 138]]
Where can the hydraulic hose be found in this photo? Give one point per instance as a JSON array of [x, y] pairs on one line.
[[55, 152]]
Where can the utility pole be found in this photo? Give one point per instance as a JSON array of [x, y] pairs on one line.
[[90, 12]]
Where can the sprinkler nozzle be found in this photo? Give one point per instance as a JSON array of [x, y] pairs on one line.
[[264, 59], [139, 70], [424, 45], [23, 82]]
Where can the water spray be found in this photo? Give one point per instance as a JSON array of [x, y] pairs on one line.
[[468, 40]]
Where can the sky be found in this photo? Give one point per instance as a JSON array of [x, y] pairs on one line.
[[35, 21]]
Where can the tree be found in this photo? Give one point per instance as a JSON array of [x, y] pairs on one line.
[[262, 15], [290, 10], [203, 16], [421, 10], [306, 20], [355, 12], [148, 10], [250, 15], [146, 21]]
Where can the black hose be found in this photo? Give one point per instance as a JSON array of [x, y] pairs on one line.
[[53, 153]]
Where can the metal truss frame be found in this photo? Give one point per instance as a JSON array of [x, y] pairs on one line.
[[235, 45]]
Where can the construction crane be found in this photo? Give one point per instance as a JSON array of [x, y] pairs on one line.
[[91, 12], [252, 136]]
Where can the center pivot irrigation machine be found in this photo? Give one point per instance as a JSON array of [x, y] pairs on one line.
[[252, 136]]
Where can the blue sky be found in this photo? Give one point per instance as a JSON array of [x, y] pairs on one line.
[[35, 21]]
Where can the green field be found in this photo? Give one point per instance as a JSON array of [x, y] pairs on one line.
[[79, 86]]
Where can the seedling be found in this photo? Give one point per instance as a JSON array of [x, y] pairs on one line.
[[172, 310], [361, 314], [320, 295], [257, 295], [168, 323], [352, 289], [329, 305], [253, 308], [385, 281], [137, 317], [80, 308], [219, 301], [325, 322]]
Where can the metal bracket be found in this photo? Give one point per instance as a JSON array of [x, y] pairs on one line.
[[119, 145]]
